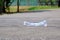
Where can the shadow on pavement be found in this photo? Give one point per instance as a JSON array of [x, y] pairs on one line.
[[32, 11]]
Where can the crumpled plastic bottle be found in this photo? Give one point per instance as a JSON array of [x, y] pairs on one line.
[[41, 23]]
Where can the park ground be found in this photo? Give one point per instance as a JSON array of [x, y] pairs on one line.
[[30, 8], [12, 28]]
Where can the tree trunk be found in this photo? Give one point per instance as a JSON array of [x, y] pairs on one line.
[[17, 5], [2, 8], [59, 3], [51, 2], [39, 1]]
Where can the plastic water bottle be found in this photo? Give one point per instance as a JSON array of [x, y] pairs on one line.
[[41, 23]]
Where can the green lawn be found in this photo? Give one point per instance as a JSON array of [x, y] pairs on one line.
[[43, 7]]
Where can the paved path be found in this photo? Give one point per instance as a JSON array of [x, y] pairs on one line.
[[12, 28]]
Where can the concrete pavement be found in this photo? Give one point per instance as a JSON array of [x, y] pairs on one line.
[[12, 28]]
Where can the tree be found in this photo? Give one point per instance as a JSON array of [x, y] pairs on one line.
[[5, 4]]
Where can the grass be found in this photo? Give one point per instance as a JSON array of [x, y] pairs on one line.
[[43, 7], [29, 8], [14, 8]]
